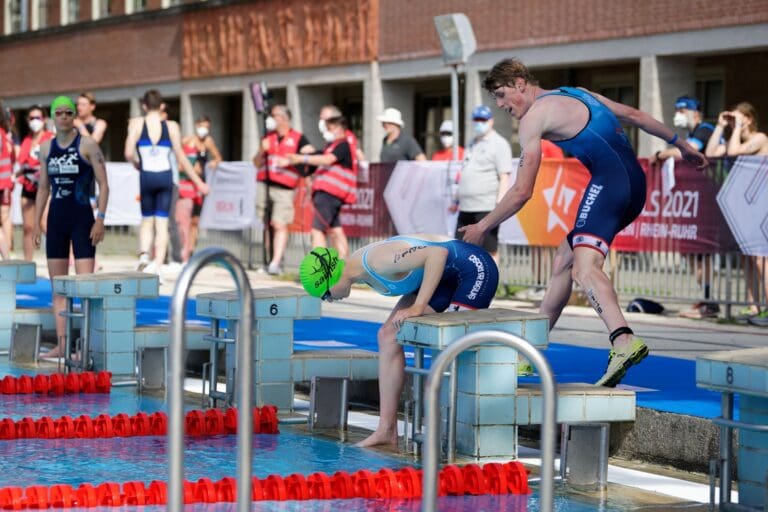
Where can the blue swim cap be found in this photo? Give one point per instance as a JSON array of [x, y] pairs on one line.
[[482, 112], [687, 102]]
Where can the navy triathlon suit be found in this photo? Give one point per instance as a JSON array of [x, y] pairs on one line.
[[70, 216], [156, 176], [469, 280], [615, 195]]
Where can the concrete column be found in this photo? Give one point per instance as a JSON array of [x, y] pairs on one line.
[[63, 12], [373, 105], [95, 11], [294, 105], [250, 128], [186, 114], [135, 108], [662, 80]]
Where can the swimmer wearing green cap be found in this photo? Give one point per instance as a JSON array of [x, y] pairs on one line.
[[69, 164], [431, 273]]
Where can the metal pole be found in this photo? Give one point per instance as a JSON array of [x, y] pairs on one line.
[[548, 406], [418, 402], [455, 110], [453, 393], [175, 385], [85, 335], [726, 448]]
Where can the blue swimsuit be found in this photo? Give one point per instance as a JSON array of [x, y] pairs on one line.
[[70, 215], [469, 279], [156, 176], [615, 195]]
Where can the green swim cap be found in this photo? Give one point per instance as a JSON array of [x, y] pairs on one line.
[[320, 270], [62, 101]]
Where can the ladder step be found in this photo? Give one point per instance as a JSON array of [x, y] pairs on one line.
[[216, 339], [67, 314]]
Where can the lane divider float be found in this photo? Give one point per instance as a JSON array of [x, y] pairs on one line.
[[197, 423], [57, 383], [405, 483]]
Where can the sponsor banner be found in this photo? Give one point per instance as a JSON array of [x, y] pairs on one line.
[[743, 200], [231, 203]]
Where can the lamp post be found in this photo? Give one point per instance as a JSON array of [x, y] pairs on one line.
[[458, 42]]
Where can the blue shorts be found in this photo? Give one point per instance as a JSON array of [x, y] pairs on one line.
[[69, 227], [156, 190], [469, 281], [614, 197]]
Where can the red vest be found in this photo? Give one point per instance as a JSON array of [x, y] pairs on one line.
[[336, 180], [29, 163], [6, 161], [286, 176]]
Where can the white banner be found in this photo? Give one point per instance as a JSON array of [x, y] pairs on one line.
[[231, 203], [123, 207], [743, 200], [418, 195]]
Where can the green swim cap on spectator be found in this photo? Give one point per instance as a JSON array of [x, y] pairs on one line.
[[62, 101], [320, 270]]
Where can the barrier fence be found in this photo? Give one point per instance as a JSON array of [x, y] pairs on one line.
[[699, 228]]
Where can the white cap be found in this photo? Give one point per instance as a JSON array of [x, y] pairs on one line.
[[446, 126], [391, 115]]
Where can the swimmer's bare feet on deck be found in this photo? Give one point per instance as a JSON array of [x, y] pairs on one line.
[[380, 438], [55, 352]]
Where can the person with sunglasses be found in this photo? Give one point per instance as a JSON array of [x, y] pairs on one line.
[[431, 273], [28, 173], [69, 164]]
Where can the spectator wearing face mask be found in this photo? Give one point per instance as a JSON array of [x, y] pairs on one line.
[[28, 173], [397, 145], [485, 176], [688, 117], [332, 112], [446, 141]]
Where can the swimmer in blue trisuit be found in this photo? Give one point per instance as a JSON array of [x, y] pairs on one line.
[[433, 273], [587, 125], [69, 164]]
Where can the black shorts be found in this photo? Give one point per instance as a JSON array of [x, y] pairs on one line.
[[29, 194], [491, 240], [70, 226], [327, 209]]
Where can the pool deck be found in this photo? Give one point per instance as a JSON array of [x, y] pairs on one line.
[[579, 326]]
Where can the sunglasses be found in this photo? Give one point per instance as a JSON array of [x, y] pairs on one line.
[[60, 113]]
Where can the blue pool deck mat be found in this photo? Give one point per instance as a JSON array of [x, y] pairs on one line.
[[662, 383]]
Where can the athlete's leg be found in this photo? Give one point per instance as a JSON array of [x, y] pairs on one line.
[[184, 222], [391, 378], [28, 226], [58, 267], [161, 241], [279, 243], [146, 235], [339, 241], [560, 284], [7, 223]]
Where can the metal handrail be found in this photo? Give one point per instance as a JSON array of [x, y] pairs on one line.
[[548, 416], [175, 386]]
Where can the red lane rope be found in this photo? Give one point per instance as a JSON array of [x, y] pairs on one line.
[[57, 383], [197, 423], [492, 478]]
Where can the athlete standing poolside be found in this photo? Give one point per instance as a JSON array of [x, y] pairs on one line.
[[149, 146], [586, 125], [432, 273], [69, 164]]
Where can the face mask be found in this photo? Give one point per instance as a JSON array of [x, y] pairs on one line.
[[680, 120], [329, 136], [36, 125], [202, 132], [446, 140], [271, 124], [321, 126], [480, 127]]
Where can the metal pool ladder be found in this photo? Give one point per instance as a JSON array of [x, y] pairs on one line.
[[175, 385], [548, 406]]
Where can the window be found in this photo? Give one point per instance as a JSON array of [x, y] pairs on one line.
[[139, 5], [42, 14], [13, 17], [105, 8], [711, 92], [73, 11]]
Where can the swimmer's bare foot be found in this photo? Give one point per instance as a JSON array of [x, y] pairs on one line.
[[56, 352], [379, 438]]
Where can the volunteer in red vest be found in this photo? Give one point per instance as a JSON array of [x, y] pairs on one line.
[[333, 185], [329, 111], [277, 180], [28, 173], [6, 180]]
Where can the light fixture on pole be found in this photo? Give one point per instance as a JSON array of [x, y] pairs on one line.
[[458, 42]]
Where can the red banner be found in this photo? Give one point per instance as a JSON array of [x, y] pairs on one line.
[[685, 219]]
